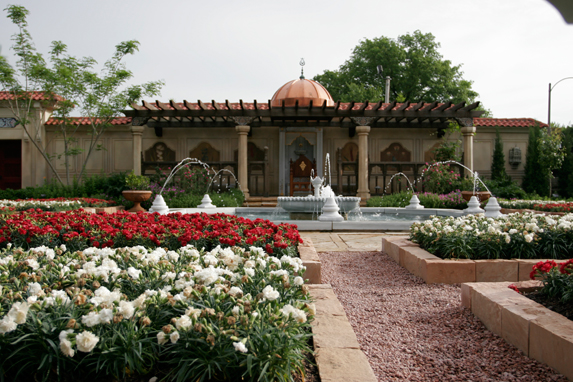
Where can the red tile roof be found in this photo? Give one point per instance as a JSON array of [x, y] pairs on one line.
[[86, 121], [507, 122], [37, 96]]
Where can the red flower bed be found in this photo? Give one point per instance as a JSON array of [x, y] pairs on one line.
[[79, 230], [554, 207]]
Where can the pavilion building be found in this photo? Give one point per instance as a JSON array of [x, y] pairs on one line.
[[272, 146]]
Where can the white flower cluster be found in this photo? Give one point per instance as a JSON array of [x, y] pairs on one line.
[[508, 227], [104, 286], [39, 203]]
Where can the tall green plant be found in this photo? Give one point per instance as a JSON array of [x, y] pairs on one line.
[[565, 174], [551, 153], [534, 181], [498, 172]]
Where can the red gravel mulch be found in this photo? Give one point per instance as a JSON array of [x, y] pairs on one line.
[[412, 331]]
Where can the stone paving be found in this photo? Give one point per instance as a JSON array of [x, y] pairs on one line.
[[347, 241]]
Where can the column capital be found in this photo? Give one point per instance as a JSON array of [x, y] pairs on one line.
[[139, 121], [242, 120], [362, 130], [468, 130], [465, 122], [137, 130], [243, 129], [363, 121]]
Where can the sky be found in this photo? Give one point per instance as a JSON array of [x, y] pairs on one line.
[[232, 50]]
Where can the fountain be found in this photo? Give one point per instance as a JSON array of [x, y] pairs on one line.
[[317, 202], [414, 201], [159, 204]]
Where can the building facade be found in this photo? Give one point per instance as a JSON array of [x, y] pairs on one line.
[[361, 145]]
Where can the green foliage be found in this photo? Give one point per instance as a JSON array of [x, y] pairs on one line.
[[417, 69], [137, 182], [507, 189], [498, 172], [551, 153], [533, 180], [70, 85], [400, 199], [565, 173], [101, 186], [452, 200]]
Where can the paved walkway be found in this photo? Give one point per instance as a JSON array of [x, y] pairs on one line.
[[347, 241]]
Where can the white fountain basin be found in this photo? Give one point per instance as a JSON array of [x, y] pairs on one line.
[[313, 204]]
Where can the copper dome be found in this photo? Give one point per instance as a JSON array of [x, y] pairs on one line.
[[304, 91]]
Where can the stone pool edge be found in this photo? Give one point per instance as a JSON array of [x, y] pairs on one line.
[[538, 332], [337, 352], [434, 270]]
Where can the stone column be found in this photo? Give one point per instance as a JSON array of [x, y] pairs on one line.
[[243, 176], [363, 189], [137, 132], [468, 133]]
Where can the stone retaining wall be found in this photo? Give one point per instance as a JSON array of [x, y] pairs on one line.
[[432, 269], [535, 330], [337, 351], [311, 261]]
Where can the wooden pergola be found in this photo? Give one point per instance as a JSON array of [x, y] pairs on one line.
[[358, 117], [343, 114]]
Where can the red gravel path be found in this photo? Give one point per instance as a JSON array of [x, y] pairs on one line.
[[412, 331]]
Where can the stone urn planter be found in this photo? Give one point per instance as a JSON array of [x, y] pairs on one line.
[[481, 195], [137, 196]]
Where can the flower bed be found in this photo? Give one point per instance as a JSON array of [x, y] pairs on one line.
[[554, 207], [132, 312], [79, 230], [56, 204], [525, 236], [519, 204]]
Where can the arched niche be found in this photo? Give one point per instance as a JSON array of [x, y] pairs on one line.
[[205, 153], [159, 152], [253, 153], [395, 153], [429, 155]]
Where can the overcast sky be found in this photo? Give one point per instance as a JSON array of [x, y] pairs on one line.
[[243, 49]]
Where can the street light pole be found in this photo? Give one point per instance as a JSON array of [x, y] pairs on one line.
[[549, 101]]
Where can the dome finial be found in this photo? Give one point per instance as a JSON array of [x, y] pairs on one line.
[[301, 63]]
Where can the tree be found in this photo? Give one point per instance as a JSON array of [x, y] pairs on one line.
[[417, 69], [68, 86], [534, 180], [565, 173], [551, 153], [498, 172]]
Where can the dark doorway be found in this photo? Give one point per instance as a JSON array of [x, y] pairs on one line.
[[10, 164]]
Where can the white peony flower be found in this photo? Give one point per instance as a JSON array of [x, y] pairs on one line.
[[7, 325], [66, 348], [86, 341], [183, 322], [126, 309], [18, 312], [239, 346], [161, 338], [298, 280], [92, 319], [133, 273], [236, 291], [270, 293], [174, 337]]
